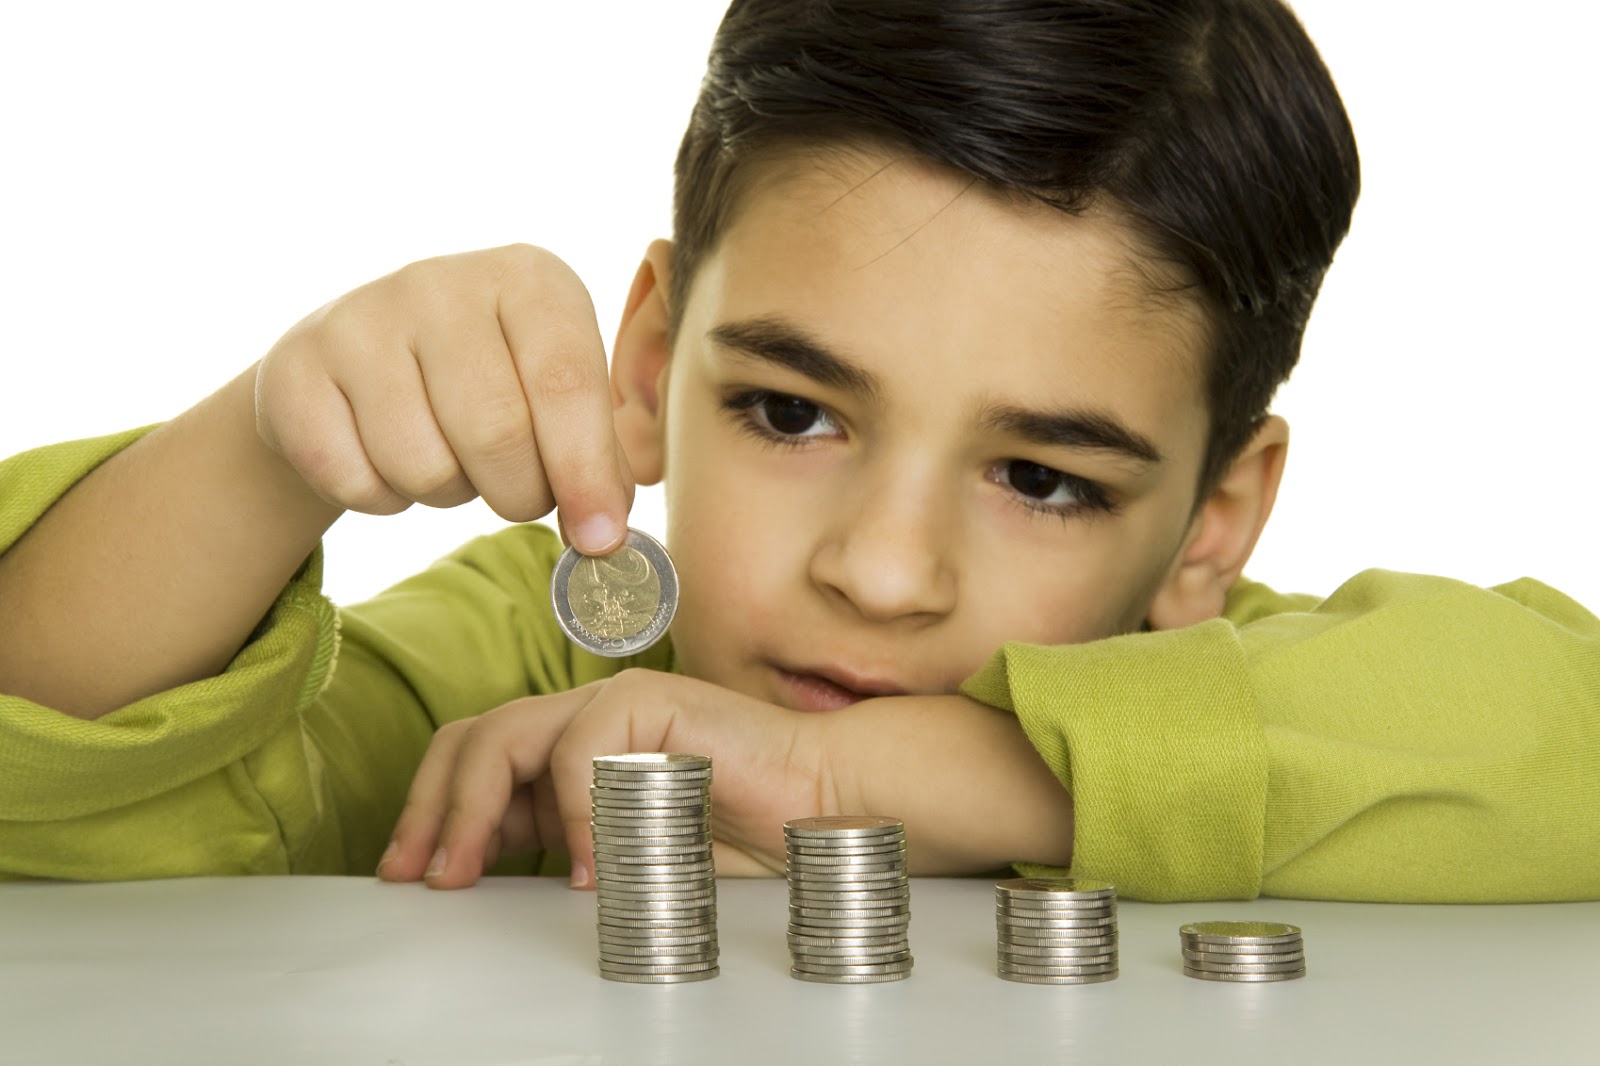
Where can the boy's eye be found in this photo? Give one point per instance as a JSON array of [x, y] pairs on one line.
[[790, 416], [1052, 491], [1038, 482], [780, 418]]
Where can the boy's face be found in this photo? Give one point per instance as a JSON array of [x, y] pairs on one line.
[[907, 421]]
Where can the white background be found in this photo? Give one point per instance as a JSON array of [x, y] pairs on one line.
[[180, 183]]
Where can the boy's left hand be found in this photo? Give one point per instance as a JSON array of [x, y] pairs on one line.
[[973, 793]]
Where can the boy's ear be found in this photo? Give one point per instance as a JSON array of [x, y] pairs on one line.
[[639, 363], [1224, 532]]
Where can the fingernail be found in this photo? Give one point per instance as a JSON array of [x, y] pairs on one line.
[[580, 875], [596, 534], [388, 853], [435, 864]]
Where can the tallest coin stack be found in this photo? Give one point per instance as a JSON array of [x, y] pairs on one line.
[[654, 878]]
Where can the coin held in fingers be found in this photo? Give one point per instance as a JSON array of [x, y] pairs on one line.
[[616, 604]]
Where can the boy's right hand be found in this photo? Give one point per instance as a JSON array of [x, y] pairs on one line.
[[480, 374]]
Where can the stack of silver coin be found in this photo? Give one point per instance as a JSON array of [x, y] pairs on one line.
[[653, 871], [1243, 951], [1055, 930], [849, 900]]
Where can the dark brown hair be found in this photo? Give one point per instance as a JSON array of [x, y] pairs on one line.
[[1211, 126]]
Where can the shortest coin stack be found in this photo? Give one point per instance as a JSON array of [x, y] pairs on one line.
[[655, 885], [849, 900], [1055, 930], [1243, 951]]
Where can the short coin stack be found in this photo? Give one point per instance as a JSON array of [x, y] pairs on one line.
[[849, 900], [1243, 951], [1055, 930], [653, 872]]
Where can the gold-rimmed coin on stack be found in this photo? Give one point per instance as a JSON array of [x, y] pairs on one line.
[[1243, 951], [849, 899], [655, 882], [1055, 930]]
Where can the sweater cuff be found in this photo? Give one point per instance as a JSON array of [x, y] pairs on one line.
[[1156, 737], [57, 766], [54, 766]]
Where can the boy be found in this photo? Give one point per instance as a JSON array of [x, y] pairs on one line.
[[957, 375]]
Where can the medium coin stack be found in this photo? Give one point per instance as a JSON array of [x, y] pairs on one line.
[[849, 900], [1243, 951], [653, 872], [1055, 930]]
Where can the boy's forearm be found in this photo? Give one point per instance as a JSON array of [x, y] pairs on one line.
[[154, 569], [971, 789]]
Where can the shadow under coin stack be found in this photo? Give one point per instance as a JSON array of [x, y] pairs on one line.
[[1055, 930], [1243, 951], [654, 878], [849, 900]]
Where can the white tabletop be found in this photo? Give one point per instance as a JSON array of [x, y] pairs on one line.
[[351, 971]]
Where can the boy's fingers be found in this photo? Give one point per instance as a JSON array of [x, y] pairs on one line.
[[477, 398], [507, 746], [546, 813], [492, 851], [571, 773], [624, 472], [307, 419], [471, 825], [625, 475], [549, 326], [519, 833], [634, 712], [416, 832], [580, 843], [400, 434]]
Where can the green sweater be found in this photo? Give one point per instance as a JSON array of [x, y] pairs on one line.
[[1408, 738]]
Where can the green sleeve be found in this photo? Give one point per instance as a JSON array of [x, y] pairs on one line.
[[1408, 739], [297, 758]]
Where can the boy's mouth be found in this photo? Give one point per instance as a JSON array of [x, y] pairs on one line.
[[828, 690]]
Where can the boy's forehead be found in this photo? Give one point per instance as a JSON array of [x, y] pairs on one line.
[[882, 197], [823, 233]]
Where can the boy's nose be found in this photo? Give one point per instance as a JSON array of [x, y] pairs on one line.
[[890, 557]]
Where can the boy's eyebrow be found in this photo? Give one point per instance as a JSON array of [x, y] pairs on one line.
[[1092, 430], [774, 340]]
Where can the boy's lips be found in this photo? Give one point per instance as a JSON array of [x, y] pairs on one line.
[[828, 689]]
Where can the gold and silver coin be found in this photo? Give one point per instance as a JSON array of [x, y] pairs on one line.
[[1243, 952], [1055, 930], [616, 604], [655, 879], [849, 900]]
